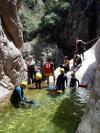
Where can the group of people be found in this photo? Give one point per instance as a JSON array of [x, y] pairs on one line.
[[62, 79], [35, 75], [78, 56]]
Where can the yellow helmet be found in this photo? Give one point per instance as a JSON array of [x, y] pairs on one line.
[[62, 70], [24, 83], [38, 76]]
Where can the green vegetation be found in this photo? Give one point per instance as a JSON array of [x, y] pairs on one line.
[[48, 23], [53, 21], [30, 14], [29, 4]]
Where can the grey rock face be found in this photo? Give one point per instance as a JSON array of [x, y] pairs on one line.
[[91, 119], [12, 65], [11, 21]]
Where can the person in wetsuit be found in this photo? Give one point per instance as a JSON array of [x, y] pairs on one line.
[[73, 81], [61, 80], [18, 94]]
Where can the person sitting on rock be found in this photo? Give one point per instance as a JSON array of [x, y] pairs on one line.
[[18, 94]]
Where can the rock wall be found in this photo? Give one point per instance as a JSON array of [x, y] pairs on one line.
[[91, 119], [11, 21], [12, 66], [83, 21]]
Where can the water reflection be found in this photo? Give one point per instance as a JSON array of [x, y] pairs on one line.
[[68, 114]]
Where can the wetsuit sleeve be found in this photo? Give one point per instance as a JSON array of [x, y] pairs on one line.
[[70, 83]]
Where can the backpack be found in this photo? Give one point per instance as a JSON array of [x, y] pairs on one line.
[[47, 68]]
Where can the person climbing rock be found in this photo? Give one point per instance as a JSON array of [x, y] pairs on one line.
[[61, 80], [73, 81], [80, 47], [49, 70]]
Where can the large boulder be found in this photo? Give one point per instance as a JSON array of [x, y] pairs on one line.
[[12, 65], [11, 21], [91, 119]]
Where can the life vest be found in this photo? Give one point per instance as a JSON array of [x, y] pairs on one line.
[[47, 68]]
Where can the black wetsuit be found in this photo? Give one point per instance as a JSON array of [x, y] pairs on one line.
[[73, 82], [17, 96], [61, 82], [80, 47]]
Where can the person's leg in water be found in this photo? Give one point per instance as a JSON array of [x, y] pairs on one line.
[[58, 86], [16, 105], [66, 81], [63, 86], [36, 84], [39, 84], [47, 80]]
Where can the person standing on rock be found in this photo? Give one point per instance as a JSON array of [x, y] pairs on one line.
[[80, 47]]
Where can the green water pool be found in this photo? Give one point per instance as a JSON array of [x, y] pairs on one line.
[[56, 114]]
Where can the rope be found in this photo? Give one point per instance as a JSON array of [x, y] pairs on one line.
[[93, 40]]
